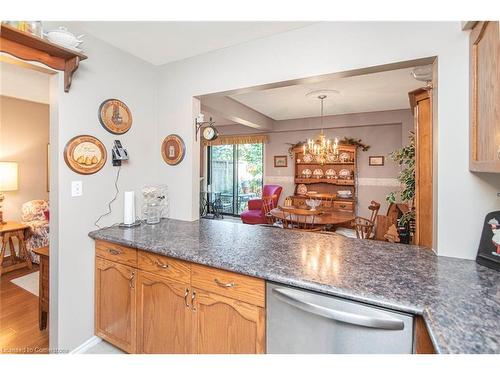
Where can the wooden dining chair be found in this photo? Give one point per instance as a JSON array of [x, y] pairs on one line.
[[300, 219], [363, 228], [267, 206]]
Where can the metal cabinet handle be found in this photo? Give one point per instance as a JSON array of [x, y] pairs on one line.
[[340, 316], [185, 298], [224, 285], [193, 296], [131, 280], [161, 265], [114, 252]]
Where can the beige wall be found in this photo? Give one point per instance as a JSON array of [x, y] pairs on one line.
[[24, 135]]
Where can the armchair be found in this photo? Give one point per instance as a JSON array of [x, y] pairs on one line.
[[35, 214], [256, 213]]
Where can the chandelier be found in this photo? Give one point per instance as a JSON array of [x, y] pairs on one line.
[[321, 148]]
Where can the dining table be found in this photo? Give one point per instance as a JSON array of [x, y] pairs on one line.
[[323, 216]]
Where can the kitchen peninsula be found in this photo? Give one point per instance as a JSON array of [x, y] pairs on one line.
[[214, 264]]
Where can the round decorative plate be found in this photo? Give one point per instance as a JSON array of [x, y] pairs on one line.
[[85, 154], [345, 173], [173, 149], [115, 116], [318, 172], [306, 173], [330, 173], [302, 189], [330, 158], [308, 158], [345, 157]]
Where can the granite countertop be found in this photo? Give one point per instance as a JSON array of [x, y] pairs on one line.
[[459, 299]]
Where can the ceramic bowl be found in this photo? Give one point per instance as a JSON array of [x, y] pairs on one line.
[[64, 38]]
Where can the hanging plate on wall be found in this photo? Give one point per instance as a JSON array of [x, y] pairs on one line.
[[115, 116], [85, 154], [173, 149]]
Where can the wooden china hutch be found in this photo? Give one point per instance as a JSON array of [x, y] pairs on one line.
[[338, 173]]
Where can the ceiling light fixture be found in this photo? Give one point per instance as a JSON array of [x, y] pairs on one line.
[[321, 147]]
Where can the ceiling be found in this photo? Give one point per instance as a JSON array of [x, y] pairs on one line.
[[365, 93], [23, 83], [163, 42]]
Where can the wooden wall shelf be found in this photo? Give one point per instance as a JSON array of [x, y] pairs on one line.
[[28, 47]]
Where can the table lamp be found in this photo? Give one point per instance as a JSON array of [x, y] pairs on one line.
[[8, 181]]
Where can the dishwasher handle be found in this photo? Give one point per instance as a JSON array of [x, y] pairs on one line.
[[340, 316]]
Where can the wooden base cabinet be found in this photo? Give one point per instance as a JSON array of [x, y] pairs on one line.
[[115, 311], [227, 326], [164, 315], [148, 303]]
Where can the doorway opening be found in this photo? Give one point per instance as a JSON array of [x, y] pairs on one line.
[[365, 118], [25, 183]]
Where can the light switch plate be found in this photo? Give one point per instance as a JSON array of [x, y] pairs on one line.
[[76, 188]]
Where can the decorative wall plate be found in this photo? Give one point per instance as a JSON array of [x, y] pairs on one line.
[[306, 173], [318, 173], [173, 149], [115, 116], [85, 154], [330, 173], [345, 157], [331, 158], [345, 174], [302, 189], [308, 158]]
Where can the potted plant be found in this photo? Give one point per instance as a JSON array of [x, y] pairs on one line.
[[405, 159]]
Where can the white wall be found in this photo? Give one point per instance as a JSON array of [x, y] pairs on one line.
[[335, 47], [107, 73], [23, 83]]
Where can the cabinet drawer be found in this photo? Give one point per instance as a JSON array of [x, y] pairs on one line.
[[343, 206], [176, 270], [116, 253], [229, 284]]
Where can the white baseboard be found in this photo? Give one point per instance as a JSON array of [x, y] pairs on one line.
[[94, 340]]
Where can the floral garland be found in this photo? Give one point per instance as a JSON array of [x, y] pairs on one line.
[[346, 141]]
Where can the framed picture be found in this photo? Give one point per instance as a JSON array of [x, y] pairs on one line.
[[376, 161], [85, 154], [281, 161], [173, 149]]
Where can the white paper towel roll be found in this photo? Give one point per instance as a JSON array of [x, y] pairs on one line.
[[129, 208]]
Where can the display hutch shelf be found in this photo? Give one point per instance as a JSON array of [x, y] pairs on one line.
[[28, 47], [327, 178]]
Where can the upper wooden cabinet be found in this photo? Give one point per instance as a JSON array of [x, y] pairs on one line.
[[485, 97]]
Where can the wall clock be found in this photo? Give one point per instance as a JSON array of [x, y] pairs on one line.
[[173, 149], [210, 133], [85, 154], [115, 116]]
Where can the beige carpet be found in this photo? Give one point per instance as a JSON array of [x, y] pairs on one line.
[[28, 282]]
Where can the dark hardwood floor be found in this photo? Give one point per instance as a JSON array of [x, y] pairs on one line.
[[19, 331]]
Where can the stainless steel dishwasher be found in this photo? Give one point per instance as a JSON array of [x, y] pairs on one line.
[[300, 321]]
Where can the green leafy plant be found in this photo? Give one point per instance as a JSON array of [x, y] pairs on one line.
[[405, 159]]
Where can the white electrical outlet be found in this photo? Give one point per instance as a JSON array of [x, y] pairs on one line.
[[76, 188]]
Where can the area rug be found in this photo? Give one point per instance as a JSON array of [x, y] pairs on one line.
[[28, 282]]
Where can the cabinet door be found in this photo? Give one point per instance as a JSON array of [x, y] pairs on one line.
[[227, 326], [163, 315], [485, 97], [115, 304]]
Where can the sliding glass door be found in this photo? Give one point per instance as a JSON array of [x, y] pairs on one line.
[[235, 174]]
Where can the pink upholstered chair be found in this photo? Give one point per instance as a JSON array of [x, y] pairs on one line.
[[256, 210], [36, 214]]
